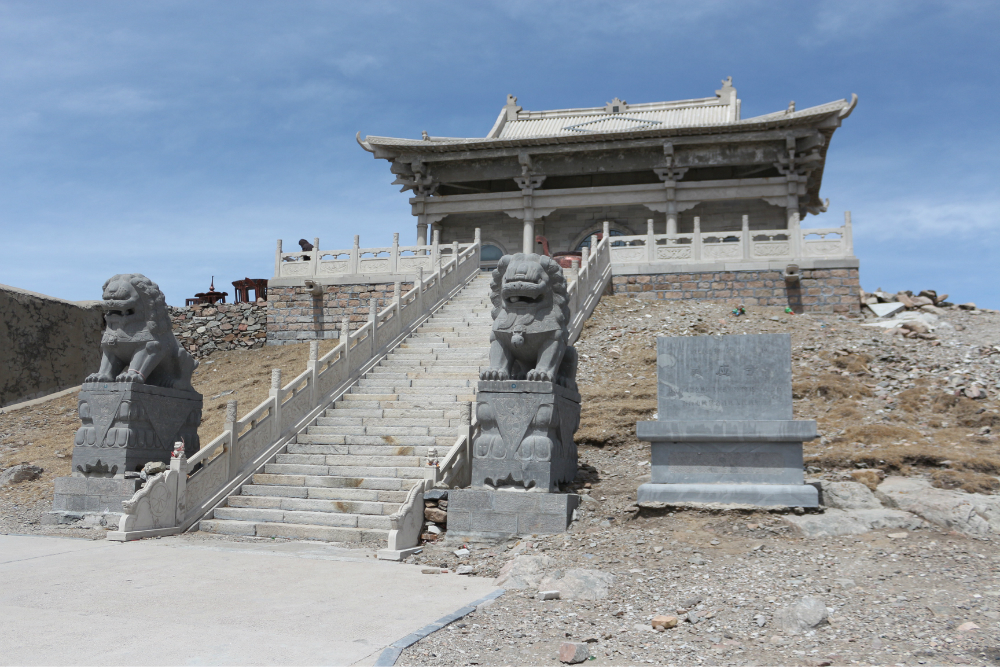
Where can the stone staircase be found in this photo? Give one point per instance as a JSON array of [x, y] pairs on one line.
[[344, 475]]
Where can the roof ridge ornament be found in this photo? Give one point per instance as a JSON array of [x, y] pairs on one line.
[[511, 108], [727, 93], [615, 106]]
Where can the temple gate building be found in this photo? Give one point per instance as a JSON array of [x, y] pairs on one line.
[[708, 204]]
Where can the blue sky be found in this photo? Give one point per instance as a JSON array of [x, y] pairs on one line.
[[181, 139]]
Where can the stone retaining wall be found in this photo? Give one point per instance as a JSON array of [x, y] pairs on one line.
[[203, 329], [46, 344], [294, 315], [818, 290]]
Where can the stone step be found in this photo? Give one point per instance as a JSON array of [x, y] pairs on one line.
[[391, 414], [328, 482], [359, 422], [323, 493], [376, 440], [351, 461], [360, 450], [400, 383], [411, 473], [293, 531], [403, 405], [311, 505]]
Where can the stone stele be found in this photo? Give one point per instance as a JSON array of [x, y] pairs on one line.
[[527, 407], [140, 402], [725, 432]]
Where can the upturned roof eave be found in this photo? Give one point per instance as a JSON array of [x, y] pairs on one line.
[[765, 122]]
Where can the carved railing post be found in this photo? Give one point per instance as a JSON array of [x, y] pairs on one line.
[[397, 299], [275, 395], [454, 254], [314, 374], [234, 436], [746, 237], [355, 253], [435, 249], [179, 466], [650, 241], [394, 256], [345, 338], [420, 291], [277, 261], [314, 263], [373, 319], [696, 239]]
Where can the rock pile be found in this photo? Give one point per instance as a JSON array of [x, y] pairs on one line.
[[435, 514], [204, 328], [926, 300]]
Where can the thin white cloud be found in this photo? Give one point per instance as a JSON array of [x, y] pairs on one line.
[[929, 219]]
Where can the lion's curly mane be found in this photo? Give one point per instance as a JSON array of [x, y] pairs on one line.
[[557, 281]]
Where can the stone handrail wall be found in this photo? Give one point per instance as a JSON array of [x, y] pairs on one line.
[[46, 344], [204, 480], [357, 261], [591, 280], [785, 245]]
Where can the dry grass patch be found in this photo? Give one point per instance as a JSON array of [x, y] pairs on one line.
[[829, 386], [968, 481], [43, 435]]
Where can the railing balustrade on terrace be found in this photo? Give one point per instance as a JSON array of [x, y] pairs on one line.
[[744, 245]]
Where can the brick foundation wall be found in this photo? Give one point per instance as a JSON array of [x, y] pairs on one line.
[[818, 290], [294, 315], [204, 328]]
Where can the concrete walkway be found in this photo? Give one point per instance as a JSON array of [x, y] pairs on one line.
[[196, 601]]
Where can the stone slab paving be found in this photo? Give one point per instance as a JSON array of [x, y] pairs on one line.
[[203, 600]]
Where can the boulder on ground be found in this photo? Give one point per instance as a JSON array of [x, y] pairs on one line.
[[524, 572], [848, 495], [870, 478], [837, 523], [22, 472], [972, 514], [800, 616], [579, 584], [573, 652]]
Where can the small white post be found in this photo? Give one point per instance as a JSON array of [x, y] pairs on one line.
[[420, 291], [373, 318], [232, 428], [345, 338], [314, 375], [277, 261], [454, 253], [394, 257], [435, 257], [355, 254], [848, 235], [696, 238], [397, 298], [275, 395], [746, 237], [179, 466], [315, 257], [650, 241]]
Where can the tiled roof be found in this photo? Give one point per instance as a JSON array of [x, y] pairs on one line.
[[617, 120]]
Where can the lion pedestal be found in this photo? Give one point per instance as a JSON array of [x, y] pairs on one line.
[[136, 406], [527, 407]]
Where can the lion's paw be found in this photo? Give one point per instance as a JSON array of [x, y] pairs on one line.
[[129, 376], [493, 374], [535, 375]]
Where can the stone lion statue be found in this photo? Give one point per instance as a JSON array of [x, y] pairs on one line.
[[530, 320], [138, 344]]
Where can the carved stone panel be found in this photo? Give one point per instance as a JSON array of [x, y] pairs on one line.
[[526, 435], [126, 425]]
